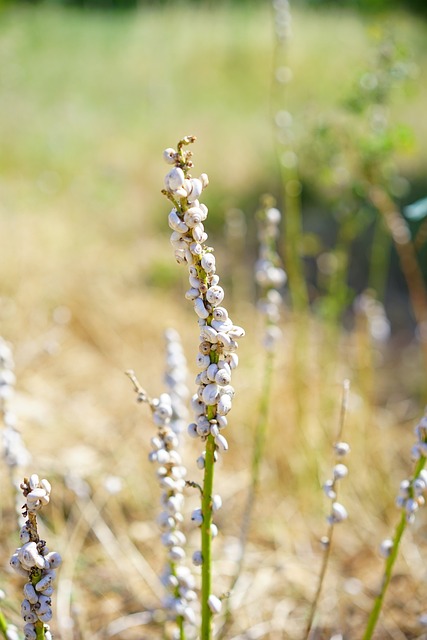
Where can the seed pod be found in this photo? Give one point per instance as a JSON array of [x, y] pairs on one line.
[[203, 361], [223, 326], [342, 449], [222, 421], [339, 513], [30, 632], [24, 535], [236, 331], [210, 394], [196, 249], [386, 548], [175, 222], [220, 314], [189, 615], [215, 604], [200, 308], [208, 262], [197, 516], [34, 481], [221, 442], [44, 604], [209, 334], [46, 616], [211, 371], [198, 233], [222, 377], [25, 607], [192, 430], [194, 282], [169, 155], [192, 294], [30, 593], [17, 566], [216, 502], [193, 216], [215, 295], [46, 581], [195, 190], [340, 471], [174, 179], [176, 554], [29, 556], [197, 558], [329, 490], [232, 359]]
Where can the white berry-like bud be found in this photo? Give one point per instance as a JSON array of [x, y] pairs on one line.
[[197, 558], [215, 604]]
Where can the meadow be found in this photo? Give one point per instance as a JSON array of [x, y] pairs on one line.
[[88, 286]]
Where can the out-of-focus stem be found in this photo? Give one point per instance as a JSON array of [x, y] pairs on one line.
[[400, 233], [327, 551]]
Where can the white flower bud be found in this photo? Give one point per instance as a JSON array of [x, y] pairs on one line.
[[210, 394], [215, 604], [169, 155], [197, 558], [215, 295], [197, 516]]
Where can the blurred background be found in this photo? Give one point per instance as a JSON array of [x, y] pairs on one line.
[[325, 110]]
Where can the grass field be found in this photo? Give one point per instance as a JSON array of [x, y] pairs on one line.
[[88, 284]]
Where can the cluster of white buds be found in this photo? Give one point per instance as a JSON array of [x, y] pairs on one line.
[[269, 273], [177, 579], [34, 561], [411, 492], [175, 380], [218, 335], [282, 19], [338, 511], [15, 452]]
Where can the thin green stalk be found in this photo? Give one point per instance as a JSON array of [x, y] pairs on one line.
[[322, 574], [400, 528], [206, 628], [327, 551]]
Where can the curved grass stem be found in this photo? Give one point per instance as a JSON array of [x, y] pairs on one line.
[[388, 570]]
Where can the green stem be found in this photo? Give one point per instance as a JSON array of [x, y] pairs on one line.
[[400, 528], [206, 628], [39, 625], [180, 622]]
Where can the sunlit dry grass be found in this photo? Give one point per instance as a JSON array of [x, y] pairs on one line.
[[88, 103]]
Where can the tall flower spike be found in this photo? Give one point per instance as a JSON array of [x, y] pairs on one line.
[[219, 337], [338, 513], [15, 453], [34, 561], [269, 273], [176, 577], [176, 381]]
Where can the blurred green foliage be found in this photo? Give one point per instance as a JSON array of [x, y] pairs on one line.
[[364, 6]]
